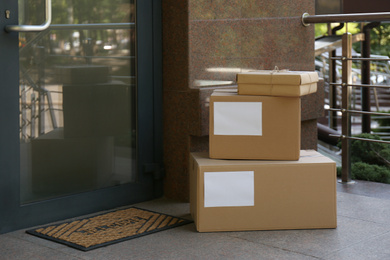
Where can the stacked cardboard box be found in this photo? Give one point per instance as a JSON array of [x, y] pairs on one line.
[[267, 183], [254, 127]]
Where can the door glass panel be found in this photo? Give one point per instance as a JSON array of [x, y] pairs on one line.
[[77, 98]]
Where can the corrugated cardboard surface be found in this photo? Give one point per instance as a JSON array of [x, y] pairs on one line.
[[277, 83], [277, 90], [288, 194], [281, 126]]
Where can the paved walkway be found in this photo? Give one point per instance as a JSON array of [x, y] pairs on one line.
[[363, 232]]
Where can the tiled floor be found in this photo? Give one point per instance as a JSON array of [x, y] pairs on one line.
[[363, 232]]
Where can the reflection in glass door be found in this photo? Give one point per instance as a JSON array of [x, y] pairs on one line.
[[77, 98]]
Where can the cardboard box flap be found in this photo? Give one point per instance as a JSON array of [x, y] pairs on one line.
[[277, 77]]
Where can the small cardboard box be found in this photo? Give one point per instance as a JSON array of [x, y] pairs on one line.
[[277, 83], [239, 195], [254, 127]]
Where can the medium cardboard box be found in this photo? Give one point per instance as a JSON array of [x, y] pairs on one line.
[[277, 83], [254, 127], [239, 195]]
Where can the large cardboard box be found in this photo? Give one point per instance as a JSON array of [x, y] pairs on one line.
[[239, 195], [277, 83], [254, 127]]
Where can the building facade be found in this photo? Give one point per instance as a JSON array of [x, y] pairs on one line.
[[101, 110], [205, 44]]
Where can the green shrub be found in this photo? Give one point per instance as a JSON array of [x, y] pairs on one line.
[[369, 152], [339, 171], [369, 161], [370, 172]]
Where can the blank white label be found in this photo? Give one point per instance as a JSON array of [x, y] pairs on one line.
[[229, 189], [238, 118]]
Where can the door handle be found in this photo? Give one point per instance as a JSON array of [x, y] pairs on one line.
[[33, 28]]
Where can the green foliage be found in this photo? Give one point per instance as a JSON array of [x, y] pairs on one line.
[[369, 152], [370, 161], [339, 171], [370, 172], [380, 36], [352, 28], [322, 29], [380, 40]]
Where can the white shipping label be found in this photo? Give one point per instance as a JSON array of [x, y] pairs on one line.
[[238, 118], [229, 189]]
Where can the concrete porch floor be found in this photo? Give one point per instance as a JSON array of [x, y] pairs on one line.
[[363, 232]]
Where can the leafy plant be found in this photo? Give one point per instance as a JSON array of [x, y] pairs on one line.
[[380, 36], [370, 152], [369, 160], [370, 172]]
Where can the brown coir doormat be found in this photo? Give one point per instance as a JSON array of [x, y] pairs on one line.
[[108, 228]]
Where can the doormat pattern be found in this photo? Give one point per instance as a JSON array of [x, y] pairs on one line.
[[108, 228]]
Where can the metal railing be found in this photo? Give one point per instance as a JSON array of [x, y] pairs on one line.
[[346, 83], [307, 19]]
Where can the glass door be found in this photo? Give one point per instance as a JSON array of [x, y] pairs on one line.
[[80, 123]]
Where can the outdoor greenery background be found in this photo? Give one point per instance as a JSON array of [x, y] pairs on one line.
[[369, 161], [380, 36]]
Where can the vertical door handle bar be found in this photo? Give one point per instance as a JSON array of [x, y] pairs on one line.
[[33, 28]]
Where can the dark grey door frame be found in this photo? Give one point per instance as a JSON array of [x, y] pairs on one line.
[[15, 216]]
